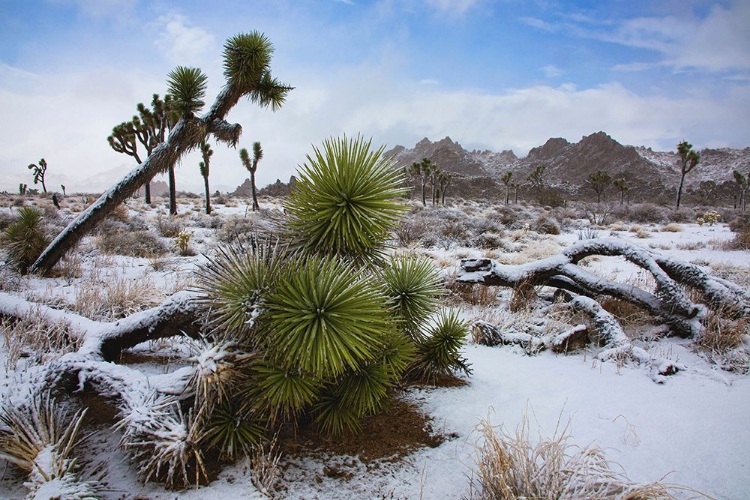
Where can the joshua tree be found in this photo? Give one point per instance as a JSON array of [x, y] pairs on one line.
[[514, 186], [252, 167], [22, 188], [206, 152], [247, 61], [536, 181], [742, 187], [599, 181], [39, 171], [444, 179], [505, 179], [621, 184], [688, 160], [62, 186], [423, 171], [151, 126]]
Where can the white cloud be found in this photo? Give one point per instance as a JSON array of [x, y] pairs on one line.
[[551, 71], [452, 6], [183, 43]]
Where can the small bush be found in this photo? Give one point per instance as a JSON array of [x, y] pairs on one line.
[[671, 228], [546, 225], [648, 213], [169, 227], [683, 215], [130, 243], [25, 238]]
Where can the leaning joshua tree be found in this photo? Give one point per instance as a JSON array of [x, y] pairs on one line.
[[39, 171], [247, 68]]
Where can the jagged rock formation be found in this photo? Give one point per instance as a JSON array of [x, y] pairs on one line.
[[652, 176]]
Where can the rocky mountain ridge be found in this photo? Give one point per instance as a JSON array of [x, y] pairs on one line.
[[650, 175]]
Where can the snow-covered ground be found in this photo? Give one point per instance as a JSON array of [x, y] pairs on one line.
[[692, 430]]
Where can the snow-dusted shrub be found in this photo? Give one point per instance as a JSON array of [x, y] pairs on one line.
[[131, 243], [671, 228], [544, 224], [741, 226], [517, 466], [38, 437], [169, 227], [36, 340], [506, 214], [648, 213], [683, 215], [25, 238]]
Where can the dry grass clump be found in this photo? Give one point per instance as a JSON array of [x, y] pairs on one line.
[[36, 340], [169, 227], [646, 213], [671, 228], [106, 298], [722, 340], [736, 274], [544, 224], [130, 243], [513, 466]]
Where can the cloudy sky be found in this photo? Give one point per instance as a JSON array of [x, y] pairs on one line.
[[491, 74]]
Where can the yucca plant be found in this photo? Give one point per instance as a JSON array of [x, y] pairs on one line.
[[234, 428], [323, 316], [281, 392], [346, 200], [412, 285], [439, 354], [233, 282], [186, 89], [220, 366], [38, 437], [25, 238]]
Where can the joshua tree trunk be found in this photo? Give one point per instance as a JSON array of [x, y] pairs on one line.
[[208, 195], [679, 191], [172, 192], [256, 207]]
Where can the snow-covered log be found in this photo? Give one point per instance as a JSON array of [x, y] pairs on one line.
[[670, 303], [178, 315]]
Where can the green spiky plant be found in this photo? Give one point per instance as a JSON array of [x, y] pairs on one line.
[[186, 88], [345, 200], [25, 238], [335, 323], [439, 354]]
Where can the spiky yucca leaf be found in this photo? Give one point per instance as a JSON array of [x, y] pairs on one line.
[[25, 238], [364, 390], [35, 429], [413, 287], [397, 354], [439, 354], [186, 88], [345, 201], [323, 317], [219, 367], [234, 428], [333, 417], [233, 282], [281, 392]]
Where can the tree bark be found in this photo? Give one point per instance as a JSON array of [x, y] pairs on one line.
[[147, 192], [670, 302], [208, 196], [172, 192], [256, 207]]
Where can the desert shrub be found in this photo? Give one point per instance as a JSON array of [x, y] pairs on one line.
[[169, 227], [6, 219], [671, 228], [517, 466], [741, 227], [546, 225], [683, 215], [648, 213], [25, 239], [506, 215], [130, 243], [36, 340], [489, 240]]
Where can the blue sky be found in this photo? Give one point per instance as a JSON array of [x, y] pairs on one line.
[[503, 74]]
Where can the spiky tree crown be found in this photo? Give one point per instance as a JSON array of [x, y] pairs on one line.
[[346, 199], [187, 88]]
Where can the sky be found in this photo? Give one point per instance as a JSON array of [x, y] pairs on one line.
[[491, 74]]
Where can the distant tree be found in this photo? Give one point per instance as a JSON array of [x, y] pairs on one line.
[[22, 188], [742, 187], [62, 186], [252, 167], [505, 179], [444, 179], [599, 182], [422, 170], [39, 171], [687, 161], [150, 127], [621, 184], [514, 186], [206, 152], [537, 182], [707, 191], [247, 59]]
